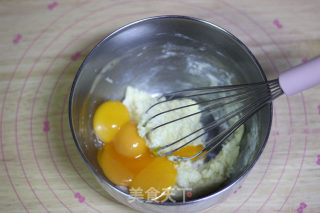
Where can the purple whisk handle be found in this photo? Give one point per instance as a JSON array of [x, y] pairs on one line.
[[301, 77]]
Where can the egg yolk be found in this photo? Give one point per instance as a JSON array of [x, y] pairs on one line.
[[108, 119], [127, 161], [113, 166], [128, 142], [188, 151], [120, 169], [158, 177]]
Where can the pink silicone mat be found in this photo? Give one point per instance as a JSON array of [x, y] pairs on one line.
[[42, 46]]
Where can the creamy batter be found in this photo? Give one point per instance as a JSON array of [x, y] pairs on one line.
[[196, 176]]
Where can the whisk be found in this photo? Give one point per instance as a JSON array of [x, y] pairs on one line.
[[235, 104]]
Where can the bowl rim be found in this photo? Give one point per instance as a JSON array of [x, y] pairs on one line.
[[201, 21]]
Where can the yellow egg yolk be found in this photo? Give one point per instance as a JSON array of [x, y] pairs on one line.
[[188, 151], [156, 180], [108, 119], [128, 142], [120, 169], [127, 161]]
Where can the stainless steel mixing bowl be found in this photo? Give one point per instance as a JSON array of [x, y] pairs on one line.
[[157, 55]]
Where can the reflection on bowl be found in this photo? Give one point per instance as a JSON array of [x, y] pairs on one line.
[[158, 55]]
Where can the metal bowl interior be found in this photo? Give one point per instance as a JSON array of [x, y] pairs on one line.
[[158, 55]]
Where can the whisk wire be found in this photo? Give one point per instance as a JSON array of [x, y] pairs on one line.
[[219, 88], [217, 140], [213, 90], [237, 124], [210, 126], [250, 97], [197, 103]]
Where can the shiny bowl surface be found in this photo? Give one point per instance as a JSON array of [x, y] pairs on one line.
[[158, 55]]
